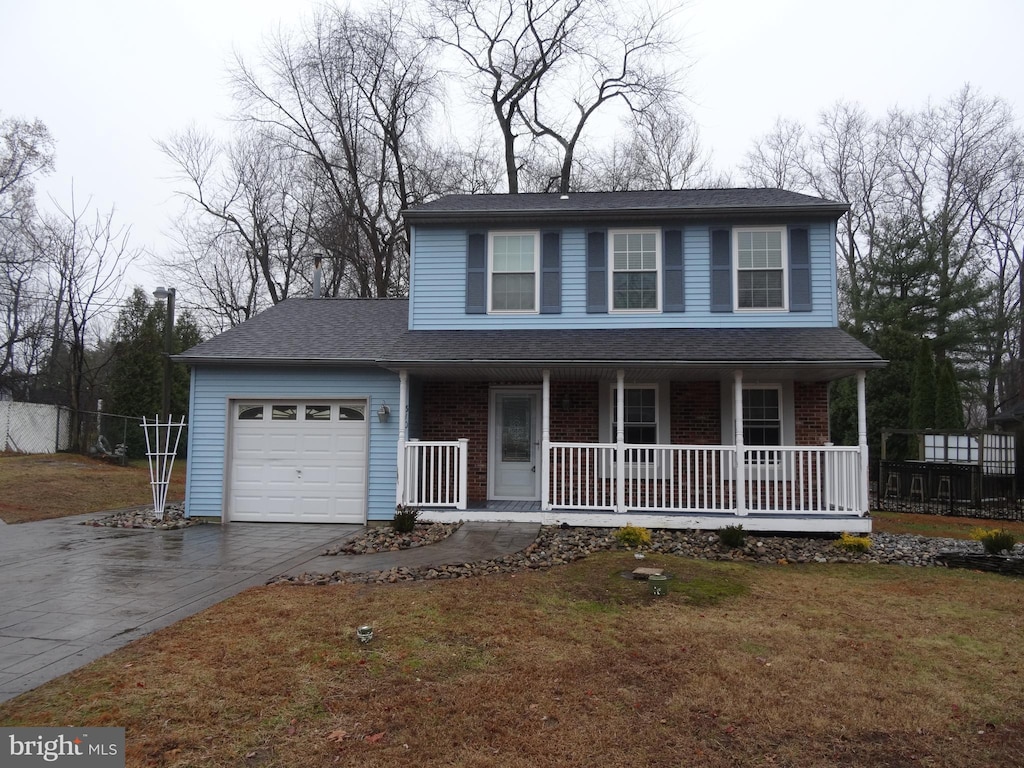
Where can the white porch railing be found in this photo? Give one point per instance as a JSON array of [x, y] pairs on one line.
[[701, 478], [435, 473], [799, 479]]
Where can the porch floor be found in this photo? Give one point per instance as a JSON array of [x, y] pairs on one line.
[[494, 511]]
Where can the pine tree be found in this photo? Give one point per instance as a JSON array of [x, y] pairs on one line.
[[922, 389], [949, 412]]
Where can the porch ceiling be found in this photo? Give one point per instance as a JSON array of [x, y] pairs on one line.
[[752, 373]]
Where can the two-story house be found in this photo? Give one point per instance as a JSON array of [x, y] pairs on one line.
[[661, 358]]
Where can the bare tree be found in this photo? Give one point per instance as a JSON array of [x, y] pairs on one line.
[[944, 158], [546, 67], [87, 255], [257, 210], [777, 159], [351, 97], [26, 152], [663, 151]]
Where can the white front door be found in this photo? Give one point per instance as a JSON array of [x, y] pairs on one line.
[[515, 444]]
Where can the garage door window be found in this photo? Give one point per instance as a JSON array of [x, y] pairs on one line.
[[318, 413], [351, 413], [284, 412], [250, 412]]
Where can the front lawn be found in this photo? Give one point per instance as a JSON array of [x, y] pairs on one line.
[[938, 525], [43, 486], [739, 665]]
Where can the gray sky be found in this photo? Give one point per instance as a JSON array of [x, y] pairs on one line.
[[109, 77]]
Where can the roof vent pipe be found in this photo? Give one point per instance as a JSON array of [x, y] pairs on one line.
[[318, 274]]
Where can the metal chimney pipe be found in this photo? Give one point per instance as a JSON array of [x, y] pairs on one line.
[[318, 275]]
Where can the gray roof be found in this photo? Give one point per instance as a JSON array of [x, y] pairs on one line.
[[375, 332], [655, 204]]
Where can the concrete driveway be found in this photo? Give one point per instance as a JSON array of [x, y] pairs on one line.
[[71, 593]]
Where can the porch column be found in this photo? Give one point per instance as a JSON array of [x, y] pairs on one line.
[[403, 418], [740, 458], [862, 440], [620, 441], [545, 443]]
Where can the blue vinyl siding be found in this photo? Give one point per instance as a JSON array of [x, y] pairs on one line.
[[208, 421], [438, 284]]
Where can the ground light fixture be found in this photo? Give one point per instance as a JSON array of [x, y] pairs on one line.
[[364, 633]]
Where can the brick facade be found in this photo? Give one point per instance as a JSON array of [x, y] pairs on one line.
[[457, 409], [574, 412], [696, 417], [810, 401]]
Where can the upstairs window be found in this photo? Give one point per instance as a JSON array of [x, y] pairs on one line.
[[513, 272], [636, 263], [760, 268]]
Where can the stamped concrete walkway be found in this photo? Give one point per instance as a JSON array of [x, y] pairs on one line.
[[71, 593]]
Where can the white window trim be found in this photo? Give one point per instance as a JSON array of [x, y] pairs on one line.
[[736, 269], [536, 273], [607, 426], [611, 270], [768, 466]]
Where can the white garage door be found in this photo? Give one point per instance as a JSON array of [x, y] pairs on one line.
[[295, 461]]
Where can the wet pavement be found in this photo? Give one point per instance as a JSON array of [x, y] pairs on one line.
[[71, 593]]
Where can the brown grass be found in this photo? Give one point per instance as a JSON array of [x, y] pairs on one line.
[[43, 486], [740, 665], [937, 525]]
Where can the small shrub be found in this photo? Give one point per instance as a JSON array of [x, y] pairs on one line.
[[852, 543], [405, 519], [732, 536], [633, 536], [994, 540]]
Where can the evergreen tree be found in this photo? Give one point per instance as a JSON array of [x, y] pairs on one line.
[[887, 393], [186, 335], [922, 389], [136, 376], [949, 411]]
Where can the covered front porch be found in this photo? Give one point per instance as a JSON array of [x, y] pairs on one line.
[[533, 446]]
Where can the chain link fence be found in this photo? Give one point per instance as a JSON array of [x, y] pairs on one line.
[[39, 428], [34, 427], [118, 437]]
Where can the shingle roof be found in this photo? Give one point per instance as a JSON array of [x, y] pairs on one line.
[[682, 203], [375, 331]]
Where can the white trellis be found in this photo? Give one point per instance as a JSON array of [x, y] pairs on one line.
[[161, 461]]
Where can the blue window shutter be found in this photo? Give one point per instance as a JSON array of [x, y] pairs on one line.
[[799, 270], [597, 272], [476, 273], [551, 273], [721, 270], [672, 269]]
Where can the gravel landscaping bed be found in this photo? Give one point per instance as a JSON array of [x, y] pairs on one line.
[[556, 546], [387, 539], [143, 517]]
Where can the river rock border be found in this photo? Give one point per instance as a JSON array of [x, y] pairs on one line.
[[143, 517], [557, 546]]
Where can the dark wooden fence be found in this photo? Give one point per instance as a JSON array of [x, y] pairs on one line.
[[936, 488]]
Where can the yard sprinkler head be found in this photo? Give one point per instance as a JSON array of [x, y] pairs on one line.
[[365, 633]]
